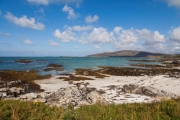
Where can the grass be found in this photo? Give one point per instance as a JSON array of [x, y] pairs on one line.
[[165, 110], [18, 110]]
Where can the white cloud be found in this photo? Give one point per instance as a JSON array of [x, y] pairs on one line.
[[25, 22], [65, 36], [82, 28], [125, 46], [145, 34], [43, 2], [46, 2], [117, 30], [0, 13], [96, 46], [175, 34], [52, 43], [157, 37], [28, 42], [119, 38], [70, 12], [150, 36], [175, 3], [4, 34], [128, 36], [90, 19], [100, 35]]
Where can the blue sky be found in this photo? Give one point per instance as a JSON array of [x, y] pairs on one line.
[[83, 27]]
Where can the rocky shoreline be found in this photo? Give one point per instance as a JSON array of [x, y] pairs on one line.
[[78, 88]]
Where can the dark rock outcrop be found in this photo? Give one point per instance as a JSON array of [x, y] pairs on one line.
[[56, 67], [24, 61], [146, 90]]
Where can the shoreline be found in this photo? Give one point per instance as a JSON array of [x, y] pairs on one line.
[[88, 86], [112, 95]]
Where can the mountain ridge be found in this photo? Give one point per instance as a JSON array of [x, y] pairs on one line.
[[126, 53]]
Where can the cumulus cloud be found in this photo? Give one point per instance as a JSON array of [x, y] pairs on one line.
[[175, 3], [124, 46], [43, 2], [28, 42], [119, 38], [4, 34], [150, 36], [52, 43], [25, 22], [100, 35], [117, 30], [175, 34], [70, 12], [128, 36], [82, 28], [65, 36], [124, 39], [96, 46], [136, 39], [46, 2], [90, 19]]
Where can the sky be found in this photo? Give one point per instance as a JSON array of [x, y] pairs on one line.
[[84, 27]]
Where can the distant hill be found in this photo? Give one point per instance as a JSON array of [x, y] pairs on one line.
[[126, 53]]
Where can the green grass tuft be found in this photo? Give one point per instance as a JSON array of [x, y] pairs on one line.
[[165, 110]]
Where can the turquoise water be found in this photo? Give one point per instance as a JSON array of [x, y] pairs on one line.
[[69, 63]]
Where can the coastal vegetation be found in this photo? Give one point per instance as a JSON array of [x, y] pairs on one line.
[[27, 77], [56, 67], [21, 110], [75, 78]]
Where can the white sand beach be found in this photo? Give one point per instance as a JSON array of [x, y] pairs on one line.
[[161, 82]]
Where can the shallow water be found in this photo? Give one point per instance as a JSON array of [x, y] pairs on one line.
[[69, 63]]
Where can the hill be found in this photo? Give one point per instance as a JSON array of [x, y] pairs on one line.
[[126, 53]]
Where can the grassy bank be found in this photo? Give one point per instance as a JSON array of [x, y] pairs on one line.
[[165, 110]]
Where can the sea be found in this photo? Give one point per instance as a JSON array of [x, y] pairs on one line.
[[69, 63]]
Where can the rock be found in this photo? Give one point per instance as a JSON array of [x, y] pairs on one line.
[[149, 91], [93, 97], [146, 90], [84, 102], [41, 100], [73, 96], [4, 94], [4, 89], [31, 96], [23, 97], [43, 95], [131, 88]]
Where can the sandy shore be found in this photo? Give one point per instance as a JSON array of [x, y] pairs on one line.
[[161, 82]]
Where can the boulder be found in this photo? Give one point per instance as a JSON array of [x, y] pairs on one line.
[[131, 88], [73, 96], [93, 97], [29, 96], [146, 90]]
